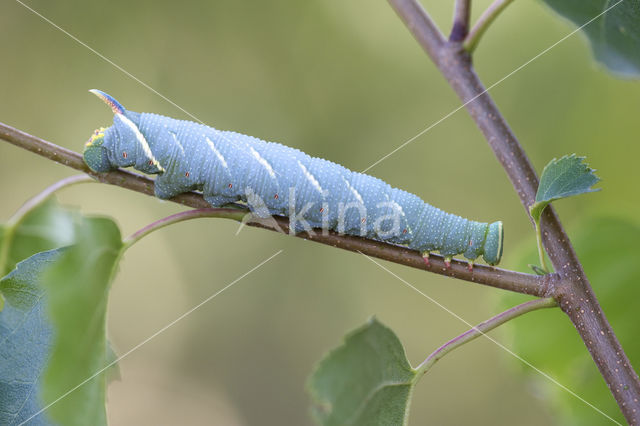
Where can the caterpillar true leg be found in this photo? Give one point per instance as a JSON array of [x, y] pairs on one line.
[[447, 262]]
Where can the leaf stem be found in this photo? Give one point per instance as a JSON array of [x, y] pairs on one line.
[[543, 259], [36, 201], [461, 17], [17, 218], [180, 217], [482, 329], [484, 22]]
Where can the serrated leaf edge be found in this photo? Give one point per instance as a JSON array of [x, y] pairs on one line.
[[319, 401], [555, 160]]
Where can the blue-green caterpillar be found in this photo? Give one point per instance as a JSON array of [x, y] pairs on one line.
[[274, 179]]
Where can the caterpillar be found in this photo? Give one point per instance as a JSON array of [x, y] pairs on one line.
[[273, 179]]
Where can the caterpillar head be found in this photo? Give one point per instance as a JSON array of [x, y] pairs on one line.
[[96, 154], [120, 145], [493, 244]]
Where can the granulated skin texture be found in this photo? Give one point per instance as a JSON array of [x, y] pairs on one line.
[[274, 179]]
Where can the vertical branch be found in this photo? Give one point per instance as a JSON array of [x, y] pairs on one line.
[[420, 24], [461, 16], [573, 291]]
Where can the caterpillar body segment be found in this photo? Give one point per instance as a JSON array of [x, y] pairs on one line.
[[274, 179]]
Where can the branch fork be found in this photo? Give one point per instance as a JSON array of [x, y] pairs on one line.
[[570, 287]]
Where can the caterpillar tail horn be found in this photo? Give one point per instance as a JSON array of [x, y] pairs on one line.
[[115, 106]]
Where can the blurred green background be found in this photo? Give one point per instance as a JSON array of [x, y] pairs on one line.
[[342, 80]]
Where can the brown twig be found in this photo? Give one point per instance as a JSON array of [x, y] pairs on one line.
[[461, 17], [572, 289], [482, 329], [481, 274]]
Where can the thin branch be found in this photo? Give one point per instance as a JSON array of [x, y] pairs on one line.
[[572, 290], [180, 217], [461, 17], [482, 329], [482, 274], [484, 22], [74, 160]]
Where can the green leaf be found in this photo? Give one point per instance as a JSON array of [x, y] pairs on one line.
[[608, 249], [78, 286], [49, 350], [366, 381], [25, 341], [25, 330], [46, 227], [614, 36], [562, 178]]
